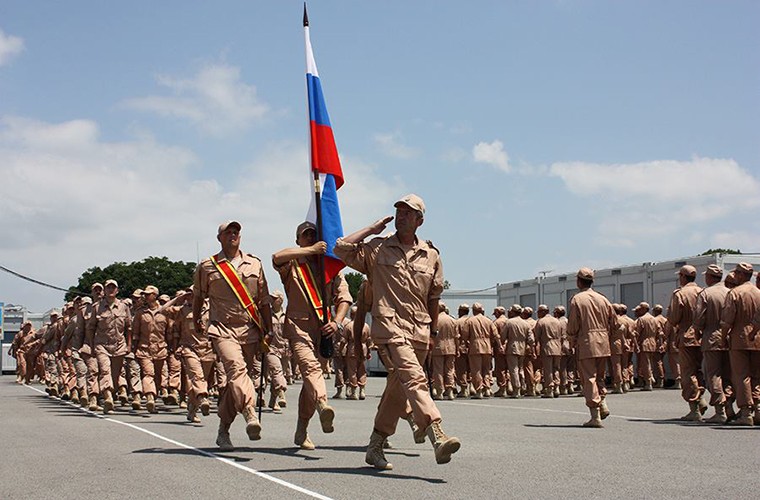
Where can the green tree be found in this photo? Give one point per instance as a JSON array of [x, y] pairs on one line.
[[726, 251], [354, 280], [169, 276]]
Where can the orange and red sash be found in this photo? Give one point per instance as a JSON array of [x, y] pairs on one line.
[[306, 278], [238, 287]]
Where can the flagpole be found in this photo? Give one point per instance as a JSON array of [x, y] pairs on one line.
[[325, 343]]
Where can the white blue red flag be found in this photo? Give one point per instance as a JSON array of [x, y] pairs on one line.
[[325, 161]]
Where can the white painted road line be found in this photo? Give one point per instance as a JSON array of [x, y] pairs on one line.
[[227, 461]]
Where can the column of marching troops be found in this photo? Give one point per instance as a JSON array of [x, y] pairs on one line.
[[210, 343]]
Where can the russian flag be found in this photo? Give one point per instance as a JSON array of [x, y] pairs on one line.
[[325, 161]]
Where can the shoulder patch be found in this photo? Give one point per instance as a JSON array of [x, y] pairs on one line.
[[253, 256], [430, 244]]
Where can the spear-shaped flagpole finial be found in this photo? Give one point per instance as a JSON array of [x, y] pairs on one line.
[[305, 16]]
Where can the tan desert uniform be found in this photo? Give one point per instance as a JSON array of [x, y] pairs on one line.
[[109, 325], [51, 346], [462, 363], [479, 334], [444, 355], [567, 361], [618, 341], [302, 329], [232, 331], [356, 371], [87, 351], [196, 351], [276, 360], [666, 347], [403, 283], [517, 338], [19, 353], [589, 324], [75, 336], [499, 356], [339, 359], [548, 333], [681, 318], [629, 347], [707, 328], [648, 331], [149, 332], [742, 306]]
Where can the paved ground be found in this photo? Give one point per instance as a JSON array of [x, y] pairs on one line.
[[528, 448]]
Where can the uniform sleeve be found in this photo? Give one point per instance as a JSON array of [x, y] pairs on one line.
[[573, 321], [340, 290], [356, 255], [263, 298], [200, 281], [700, 312], [283, 269], [437, 287], [675, 310], [728, 314]]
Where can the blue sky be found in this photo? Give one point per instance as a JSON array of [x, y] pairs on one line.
[[542, 135]]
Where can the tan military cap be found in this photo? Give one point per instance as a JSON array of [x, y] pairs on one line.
[[54, 312], [623, 308], [150, 289], [412, 201], [744, 267], [585, 273], [86, 300], [305, 226], [657, 307], [560, 308], [477, 305], [543, 307], [528, 310], [112, 282], [643, 305], [688, 270], [96, 285], [224, 225], [515, 308], [128, 301], [163, 298], [714, 270], [464, 306], [138, 292], [500, 309]]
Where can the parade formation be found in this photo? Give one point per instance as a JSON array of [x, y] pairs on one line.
[[223, 341]]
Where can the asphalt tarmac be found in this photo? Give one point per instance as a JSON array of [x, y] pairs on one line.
[[526, 448]]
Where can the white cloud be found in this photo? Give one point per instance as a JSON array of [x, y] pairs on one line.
[[72, 201], [492, 154], [392, 145], [662, 197], [10, 47], [215, 99]]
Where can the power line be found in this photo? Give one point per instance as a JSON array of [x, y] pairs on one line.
[[38, 282]]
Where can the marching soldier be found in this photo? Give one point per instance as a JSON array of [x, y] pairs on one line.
[[149, 333], [462, 364], [548, 333], [499, 357], [588, 328], [715, 353], [479, 334], [406, 276], [357, 352], [518, 341], [304, 324], [681, 320], [739, 325], [239, 319], [444, 355], [649, 334]]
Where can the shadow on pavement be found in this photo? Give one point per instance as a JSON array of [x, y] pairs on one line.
[[556, 426], [358, 471], [283, 452]]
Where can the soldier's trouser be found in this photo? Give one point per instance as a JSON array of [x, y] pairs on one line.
[[674, 361], [51, 370], [462, 369], [198, 373], [132, 377], [628, 367], [339, 366], [92, 373], [220, 376], [274, 371], [616, 361], [356, 372], [443, 371], [68, 377], [551, 371], [109, 368], [313, 388], [480, 364], [592, 376], [745, 374], [564, 370], [21, 365], [237, 359], [285, 360], [658, 366], [174, 371], [500, 369], [80, 369], [718, 376], [516, 373], [152, 371], [645, 365], [406, 385], [529, 381], [691, 373]]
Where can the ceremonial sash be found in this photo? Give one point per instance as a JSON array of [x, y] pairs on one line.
[[306, 278], [238, 287]]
